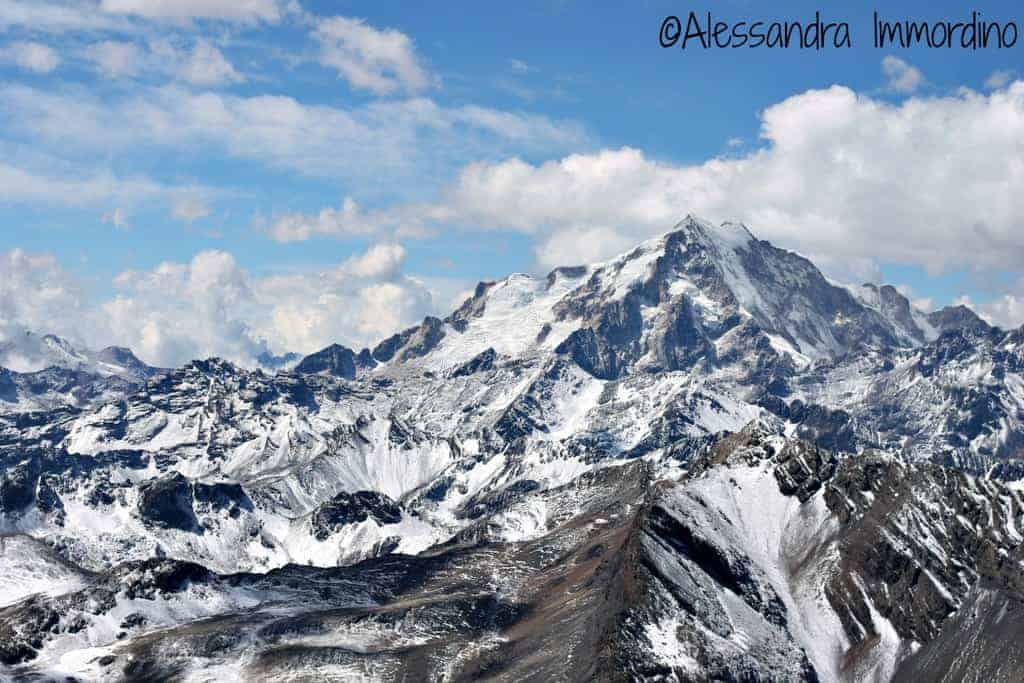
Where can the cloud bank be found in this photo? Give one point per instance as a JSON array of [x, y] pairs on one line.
[[211, 306], [931, 181]]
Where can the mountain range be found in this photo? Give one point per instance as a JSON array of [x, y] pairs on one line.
[[700, 460]]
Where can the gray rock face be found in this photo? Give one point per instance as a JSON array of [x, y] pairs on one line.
[[335, 360], [351, 508], [411, 343], [472, 307], [958, 318], [167, 502], [482, 362], [902, 554]]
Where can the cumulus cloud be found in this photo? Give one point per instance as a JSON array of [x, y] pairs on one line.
[[31, 56], [351, 220], [901, 76], [211, 306], [36, 293], [381, 61], [840, 176], [380, 261], [182, 310], [346, 221], [1006, 310]]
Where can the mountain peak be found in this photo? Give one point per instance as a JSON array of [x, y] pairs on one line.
[[335, 360], [32, 352], [728, 233], [705, 294]]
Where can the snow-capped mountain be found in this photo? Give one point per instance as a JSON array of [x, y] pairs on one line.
[[47, 372], [31, 352], [701, 459]]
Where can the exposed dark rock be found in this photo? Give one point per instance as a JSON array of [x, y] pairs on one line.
[[472, 307], [335, 360], [18, 486], [481, 362], [167, 502], [352, 508], [958, 318]]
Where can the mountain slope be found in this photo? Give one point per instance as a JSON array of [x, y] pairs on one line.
[[771, 560]]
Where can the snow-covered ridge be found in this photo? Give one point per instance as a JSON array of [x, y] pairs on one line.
[[723, 274]]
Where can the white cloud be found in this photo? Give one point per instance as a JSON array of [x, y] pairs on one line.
[[400, 137], [37, 294], [921, 303], [519, 66], [206, 65], [190, 209], [269, 11], [115, 59], [381, 61], [841, 177], [79, 188], [347, 221], [128, 16], [380, 261], [901, 76], [350, 220], [56, 17], [211, 306], [202, 65], [179, 311], [1000, 79], [1006, 311], [31, 56]]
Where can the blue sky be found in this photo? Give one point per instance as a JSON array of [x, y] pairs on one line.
[[227, 177]]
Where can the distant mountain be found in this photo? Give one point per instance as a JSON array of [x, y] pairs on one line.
[[701, 460], [336, 360], [42, 372], [31, 352]]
